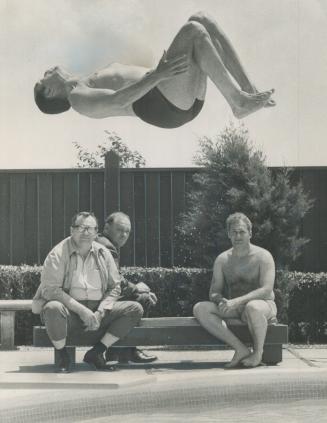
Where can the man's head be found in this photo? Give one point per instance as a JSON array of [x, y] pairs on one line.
[[50, 94], [239, 229], [84, 229], [117, 228]]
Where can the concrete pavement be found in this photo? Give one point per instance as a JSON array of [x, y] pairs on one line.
[[30, 391]]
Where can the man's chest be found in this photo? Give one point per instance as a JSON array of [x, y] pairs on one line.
[[241, 269]]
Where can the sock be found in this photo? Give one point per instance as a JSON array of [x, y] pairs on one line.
[[99, 348]]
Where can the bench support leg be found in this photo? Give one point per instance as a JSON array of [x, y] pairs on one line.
[[72, 354], [7, 330], [272, 354]]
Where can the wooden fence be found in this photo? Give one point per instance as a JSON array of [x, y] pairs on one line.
[[36, 207]]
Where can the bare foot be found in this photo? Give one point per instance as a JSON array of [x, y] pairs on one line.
[[253, 360], [251, 89], [250, 103], [238, 357]]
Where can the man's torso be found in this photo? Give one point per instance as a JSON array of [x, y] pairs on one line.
[[116, 76], [242, 274]]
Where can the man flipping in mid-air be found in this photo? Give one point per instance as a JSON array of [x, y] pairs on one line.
[[167, 96], [242, 287]]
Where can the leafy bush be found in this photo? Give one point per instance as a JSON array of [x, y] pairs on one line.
[[301, 297], [114, 143]]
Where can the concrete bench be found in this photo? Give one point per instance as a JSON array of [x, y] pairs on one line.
[[175, 331], [8, 309]]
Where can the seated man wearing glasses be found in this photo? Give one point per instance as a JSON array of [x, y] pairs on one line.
[[80, 286]]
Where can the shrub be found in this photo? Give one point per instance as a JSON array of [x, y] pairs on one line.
[[301, 297]]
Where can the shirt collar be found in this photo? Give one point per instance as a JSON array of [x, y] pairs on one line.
[[72, 247]]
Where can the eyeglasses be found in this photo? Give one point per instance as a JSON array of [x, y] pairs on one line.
[[88, 229]]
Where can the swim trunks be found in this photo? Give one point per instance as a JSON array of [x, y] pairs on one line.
[[155, 109]]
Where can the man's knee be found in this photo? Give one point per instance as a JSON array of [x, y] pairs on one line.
[[133, 308], [202, 309], [54, 309], [254, 309], [202, 17], [195, 30]]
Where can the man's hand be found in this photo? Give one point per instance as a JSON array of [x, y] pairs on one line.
[[142, 288], [168, 68], [228, 305], [153, 298], [89, 319]]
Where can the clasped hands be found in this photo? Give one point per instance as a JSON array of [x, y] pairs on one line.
[[143, 288], [91, 319], [224, 304]]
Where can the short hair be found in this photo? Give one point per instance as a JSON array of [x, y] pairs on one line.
[[49, 105], [85, 215], [238, 217], [111, 218]]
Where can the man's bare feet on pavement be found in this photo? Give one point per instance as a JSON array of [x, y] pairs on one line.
[[253, 360], [238, 357], [250, 103]]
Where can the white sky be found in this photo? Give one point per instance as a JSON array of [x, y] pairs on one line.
[[282, 44]]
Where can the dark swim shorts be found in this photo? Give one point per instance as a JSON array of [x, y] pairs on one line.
[[155, 109]]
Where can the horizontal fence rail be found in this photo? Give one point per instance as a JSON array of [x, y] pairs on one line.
[[36, 207]]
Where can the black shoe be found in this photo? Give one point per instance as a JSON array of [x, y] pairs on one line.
[[96, 360], [111, 354], [65, 362], [139, 356]]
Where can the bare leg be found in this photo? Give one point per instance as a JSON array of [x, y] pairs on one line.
[[227, 53], [256, 313], [194, 41], [207, 315]]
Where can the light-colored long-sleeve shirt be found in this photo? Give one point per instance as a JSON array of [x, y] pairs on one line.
[[58, 271]]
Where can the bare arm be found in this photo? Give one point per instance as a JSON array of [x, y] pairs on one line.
[[217, 283], [101, 103]]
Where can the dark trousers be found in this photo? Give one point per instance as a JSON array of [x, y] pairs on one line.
[[118, 321]]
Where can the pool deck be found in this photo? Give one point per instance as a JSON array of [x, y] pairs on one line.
[[27, 375]]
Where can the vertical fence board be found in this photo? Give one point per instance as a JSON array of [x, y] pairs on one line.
[[17, 209], [58, 213], [45, 215], [311, 222], [97, 196], [166, 232], [153, 219], [178, 202], [31, 220], [84, 194], [323, 221], [127, 206], [140, 219], [5, 219], [112, 183], [70, 200]]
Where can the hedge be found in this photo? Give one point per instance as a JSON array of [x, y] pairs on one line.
[[301, 297]]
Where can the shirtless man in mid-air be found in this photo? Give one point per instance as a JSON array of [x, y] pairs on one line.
[[242, 287], [167, 96]]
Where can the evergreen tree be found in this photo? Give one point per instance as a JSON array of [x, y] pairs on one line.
[[235, 178], [128, 157]]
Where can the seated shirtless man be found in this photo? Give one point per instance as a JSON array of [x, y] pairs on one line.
[[167, 96], [245, 274]]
